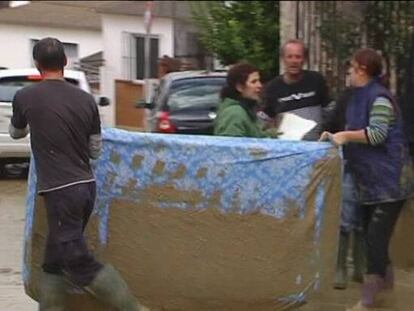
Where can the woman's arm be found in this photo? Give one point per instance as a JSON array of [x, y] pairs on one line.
[[344, 137], [381, 117]]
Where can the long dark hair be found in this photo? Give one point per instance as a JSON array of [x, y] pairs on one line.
[[238, 74]]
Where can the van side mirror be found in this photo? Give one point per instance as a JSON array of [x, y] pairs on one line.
[[103, 101], [143, 104]]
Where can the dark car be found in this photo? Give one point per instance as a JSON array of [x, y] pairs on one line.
[[185, 103]]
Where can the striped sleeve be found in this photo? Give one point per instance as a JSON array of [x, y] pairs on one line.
[[380, 119]]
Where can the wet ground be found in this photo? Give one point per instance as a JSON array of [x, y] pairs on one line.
[[13, 298], [340, 300], [12, 211]]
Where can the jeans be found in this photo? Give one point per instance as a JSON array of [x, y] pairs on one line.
[[351, 209], [379, 221], [68, 211]]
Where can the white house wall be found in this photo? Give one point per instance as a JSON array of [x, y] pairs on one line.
[[16, 51], [113, 26]]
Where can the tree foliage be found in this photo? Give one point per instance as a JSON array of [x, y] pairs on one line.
[[241, 31], [387, 26], [390, 26]]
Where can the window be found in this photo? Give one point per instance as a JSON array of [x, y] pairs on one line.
[[134, 56], [195, 93]]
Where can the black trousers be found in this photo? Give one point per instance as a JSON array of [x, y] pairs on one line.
[[68, 211], [379, 221]]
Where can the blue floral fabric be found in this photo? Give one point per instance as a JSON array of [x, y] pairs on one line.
[[251, 175]]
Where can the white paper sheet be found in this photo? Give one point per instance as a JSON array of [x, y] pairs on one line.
[[293, 127]]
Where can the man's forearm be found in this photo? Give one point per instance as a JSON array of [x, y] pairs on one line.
[[95, 146], [16, 133]]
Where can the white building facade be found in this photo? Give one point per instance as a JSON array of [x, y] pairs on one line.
[[18, 41], [123, 40]]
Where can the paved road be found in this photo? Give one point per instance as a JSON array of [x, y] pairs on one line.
[[12, 207], [13, 298]]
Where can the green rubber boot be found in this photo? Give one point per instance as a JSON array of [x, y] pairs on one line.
[[341, 277], [52, 292], [359, 257], [110, 288]]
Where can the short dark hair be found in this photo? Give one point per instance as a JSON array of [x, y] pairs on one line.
[[238, 74], [294, 41], [49, 54], [370, 60]]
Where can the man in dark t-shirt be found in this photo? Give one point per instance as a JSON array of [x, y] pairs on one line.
[[63, 119], [303, 93], [65, 133]]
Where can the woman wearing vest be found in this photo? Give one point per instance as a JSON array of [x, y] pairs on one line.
[[377, 155]]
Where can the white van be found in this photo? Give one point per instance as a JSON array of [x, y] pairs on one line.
[[12, 80]]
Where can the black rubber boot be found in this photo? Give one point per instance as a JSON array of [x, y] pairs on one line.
[[52, 292], [341, 278], [109, 287]]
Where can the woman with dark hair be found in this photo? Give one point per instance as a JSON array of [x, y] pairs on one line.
[[376, 152], [236, 115]]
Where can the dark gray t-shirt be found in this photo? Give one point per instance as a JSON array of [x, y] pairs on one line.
[[61, 118], [305, 98]]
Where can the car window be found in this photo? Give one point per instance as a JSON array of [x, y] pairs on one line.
[[10, 85], [195, 93]]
